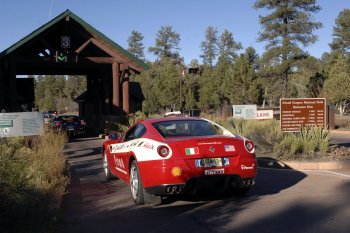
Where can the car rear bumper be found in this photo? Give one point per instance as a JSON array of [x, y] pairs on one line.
[[217, 182]]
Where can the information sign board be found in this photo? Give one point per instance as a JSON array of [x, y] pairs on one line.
[[302, 112], [244, 111], [21, 124]]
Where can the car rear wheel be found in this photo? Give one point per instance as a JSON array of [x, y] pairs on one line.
[[136, 188], [106, 169]]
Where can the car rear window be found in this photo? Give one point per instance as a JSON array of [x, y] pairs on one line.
[[180, 128]]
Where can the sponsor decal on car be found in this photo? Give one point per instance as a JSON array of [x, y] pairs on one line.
[[114, 148], [148, 146], [244, 167], [192, 151], [209, 143], [143, 149], [214, 172], [229, 148]]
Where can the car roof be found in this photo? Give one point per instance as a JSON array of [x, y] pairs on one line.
[[164, 119]]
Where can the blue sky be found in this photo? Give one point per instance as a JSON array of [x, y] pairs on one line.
[[190, 18]]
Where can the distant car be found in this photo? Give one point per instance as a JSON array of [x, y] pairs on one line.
[[47, 118], [175, 155], [72, 124]]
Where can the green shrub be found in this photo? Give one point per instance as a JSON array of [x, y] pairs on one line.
[[269, 139]]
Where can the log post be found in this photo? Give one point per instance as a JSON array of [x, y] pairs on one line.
[[115, 84], [126, 101]]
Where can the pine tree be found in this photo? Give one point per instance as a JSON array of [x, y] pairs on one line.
[[228, 46], [286, 28], [207, 90], [241, 87], [209, 46], [160, 86], [167, 43], [135, 45], [341, 32], [337, 87]]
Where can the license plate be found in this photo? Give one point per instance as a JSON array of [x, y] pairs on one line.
[[70, 127], [212, 162], [214, 172]]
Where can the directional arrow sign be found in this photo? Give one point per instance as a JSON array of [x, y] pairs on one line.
[[61, 57]]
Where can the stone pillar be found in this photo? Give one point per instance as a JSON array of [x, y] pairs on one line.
[[116, 88]]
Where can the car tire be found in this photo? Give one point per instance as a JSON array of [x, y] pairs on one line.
[[136, 187], [106, 169]]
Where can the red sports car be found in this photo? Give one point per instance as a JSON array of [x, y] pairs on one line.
[[173, 155]]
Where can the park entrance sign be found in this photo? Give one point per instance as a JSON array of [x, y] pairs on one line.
[[298, 113], [21, 124]]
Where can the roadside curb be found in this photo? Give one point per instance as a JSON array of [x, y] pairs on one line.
[[340, 132], [299, 165], [331, 165]]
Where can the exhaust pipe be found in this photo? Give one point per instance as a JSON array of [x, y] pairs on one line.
[[173, 189]]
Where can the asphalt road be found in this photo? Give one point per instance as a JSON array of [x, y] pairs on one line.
[[340, 138], [282, 200]]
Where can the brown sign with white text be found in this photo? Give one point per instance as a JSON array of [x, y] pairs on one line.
[[298, 113]]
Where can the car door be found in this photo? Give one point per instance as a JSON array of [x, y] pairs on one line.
[[122, 158]]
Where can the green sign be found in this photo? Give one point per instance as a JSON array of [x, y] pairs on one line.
[[66, 56], [61, 57], [6, 123]]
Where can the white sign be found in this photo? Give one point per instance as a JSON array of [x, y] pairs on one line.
[[264, 114], [244, 111], [21, 124]]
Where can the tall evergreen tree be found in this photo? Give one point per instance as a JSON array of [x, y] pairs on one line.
[[209, 98], [167, 43], [74, 86], [49, 92], [228, 46], [337, 87], [341, 32], [305, 77], [191, 91], [160, 85], [241, 87], [209, 46], [287, 27], [194, 63], [135, 45]]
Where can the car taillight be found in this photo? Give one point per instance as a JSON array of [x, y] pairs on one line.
[[163, 151], [58, 123], [249, 145]]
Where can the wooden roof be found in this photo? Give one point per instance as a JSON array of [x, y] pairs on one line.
[[87, 42]]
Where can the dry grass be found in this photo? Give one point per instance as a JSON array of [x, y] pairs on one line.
[[32, 181]]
